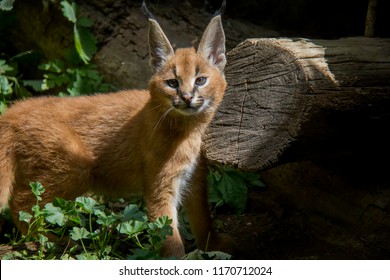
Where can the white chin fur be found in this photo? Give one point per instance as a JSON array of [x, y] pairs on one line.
[[189, 111]]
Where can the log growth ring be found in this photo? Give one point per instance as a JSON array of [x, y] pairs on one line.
[[261, 110]]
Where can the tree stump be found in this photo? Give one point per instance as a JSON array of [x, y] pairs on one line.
[[298, 91]]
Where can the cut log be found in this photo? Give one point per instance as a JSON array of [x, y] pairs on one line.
[[296, 91]]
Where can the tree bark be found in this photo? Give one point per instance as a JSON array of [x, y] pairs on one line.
[[295, 93]]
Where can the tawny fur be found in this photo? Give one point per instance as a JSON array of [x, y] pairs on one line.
[[120, 143]]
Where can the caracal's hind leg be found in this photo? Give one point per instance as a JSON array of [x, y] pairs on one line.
[[197, 209], [55, 157]]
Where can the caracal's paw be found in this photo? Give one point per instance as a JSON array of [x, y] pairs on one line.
[[222, 242]]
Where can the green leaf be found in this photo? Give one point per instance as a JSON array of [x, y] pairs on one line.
[[3, 107], [79, 233], [88, 204], [77, 219], [105, 87], [86, 80], [159, 230], [107, 250], [69, 210], [87, 256], [85, 43], [47, 83], [24, 216], [65, 205], [227, 185], [42, 239], [161, 222], [4, 67], [233, 191], [37, 190], [90, 72], [54, 215], [132, 212], [56, 66], [5, 86], [257, 183], [142, 254], [131, 228], [214, 195], [37, 211], [52, 80], [79, 86], [22, 92], [6, 5], [105, 220], [69, 11], [50, 245], [85, 22], [72, 57], [200, 255]]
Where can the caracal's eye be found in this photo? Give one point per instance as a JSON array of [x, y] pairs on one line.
[[173, 83], [200, 81]]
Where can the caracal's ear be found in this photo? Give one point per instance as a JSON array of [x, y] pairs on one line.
[[212, 44], [159, 47]]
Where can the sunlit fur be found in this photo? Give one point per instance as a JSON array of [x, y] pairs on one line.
[[185, 66], [118, 144]]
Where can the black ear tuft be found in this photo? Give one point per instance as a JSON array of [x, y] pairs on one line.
[[146, 10], [159, 47], [221, 9]]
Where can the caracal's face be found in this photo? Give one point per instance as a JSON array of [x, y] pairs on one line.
[[188, 84]]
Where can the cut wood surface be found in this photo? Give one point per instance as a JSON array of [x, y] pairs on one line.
[[280, 91]]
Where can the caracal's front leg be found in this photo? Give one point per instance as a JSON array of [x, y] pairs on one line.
[[162, 198], [197, 209]]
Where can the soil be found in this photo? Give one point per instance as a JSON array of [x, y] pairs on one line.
[[310, 223], [283, 233]]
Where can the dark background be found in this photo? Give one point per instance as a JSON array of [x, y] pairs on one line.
[[316, 19]]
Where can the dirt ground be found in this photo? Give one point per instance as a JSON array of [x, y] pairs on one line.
[[324, 220], [280, 232]]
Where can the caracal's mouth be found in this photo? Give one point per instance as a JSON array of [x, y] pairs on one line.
[[192, 108]]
